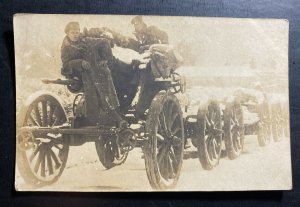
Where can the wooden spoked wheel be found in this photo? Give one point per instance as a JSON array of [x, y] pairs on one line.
[[109, 153], [209, 134], [164, 147], [277, 122], [264, 125], [234, 129], [41, 159]]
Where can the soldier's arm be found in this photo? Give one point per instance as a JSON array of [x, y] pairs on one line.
[[93, 32], [161, 35], [133, 44], [124, 41]]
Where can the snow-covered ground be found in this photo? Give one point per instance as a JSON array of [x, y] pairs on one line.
[[256, 169]]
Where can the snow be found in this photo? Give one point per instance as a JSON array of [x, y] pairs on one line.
[[252, 94], [227, 94], [249, 118], [191, 71], [256, 169], [127, 55], [275, 98]]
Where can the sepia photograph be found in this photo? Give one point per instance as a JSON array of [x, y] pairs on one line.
[[122, 103]]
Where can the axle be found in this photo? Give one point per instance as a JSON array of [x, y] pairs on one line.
[[66, 130], [90, 132]]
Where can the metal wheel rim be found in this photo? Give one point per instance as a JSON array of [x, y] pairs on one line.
[[45, 159], [212, 142], [168, 141], [235, 131]]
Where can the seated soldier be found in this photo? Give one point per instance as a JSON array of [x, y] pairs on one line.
[[147, 36], [81, 54]]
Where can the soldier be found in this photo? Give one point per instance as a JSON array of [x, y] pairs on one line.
[[82, 54], [148, 36]]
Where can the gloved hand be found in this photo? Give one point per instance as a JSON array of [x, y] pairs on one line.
[[144, 48], [85, 65], [135, 62], [141, 61]]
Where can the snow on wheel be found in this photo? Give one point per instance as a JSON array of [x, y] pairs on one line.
[[41, 159], [164, 147], [263, 127], [234, 129], [209, 134]]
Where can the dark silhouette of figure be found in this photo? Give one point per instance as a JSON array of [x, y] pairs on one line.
[[88, 57], [148, 35]]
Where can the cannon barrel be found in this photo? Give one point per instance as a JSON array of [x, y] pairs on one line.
[[59, 81]]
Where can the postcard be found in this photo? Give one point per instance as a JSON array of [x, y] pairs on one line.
[[151, 103]]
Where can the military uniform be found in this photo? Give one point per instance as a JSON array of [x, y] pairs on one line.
[[97, 52], [152, 35], [147, 36]]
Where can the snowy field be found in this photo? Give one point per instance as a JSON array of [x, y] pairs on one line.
[[258, 168]]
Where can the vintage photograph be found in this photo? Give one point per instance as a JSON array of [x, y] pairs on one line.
[[151, 103]]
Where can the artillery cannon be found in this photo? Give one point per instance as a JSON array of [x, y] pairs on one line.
[[44, 132]]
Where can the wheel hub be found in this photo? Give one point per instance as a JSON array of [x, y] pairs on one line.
[[127, 140], [25, 140]]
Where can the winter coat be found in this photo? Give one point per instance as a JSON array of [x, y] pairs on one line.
[[95, 51], [152, 35]]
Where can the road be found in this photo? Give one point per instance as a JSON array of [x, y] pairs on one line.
[[258, 168]]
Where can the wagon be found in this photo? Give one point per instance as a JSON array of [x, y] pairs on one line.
[[222, 123], [45, 132], [270, 115], [265, 114], [217, 125], [257, 114], [279, 116]]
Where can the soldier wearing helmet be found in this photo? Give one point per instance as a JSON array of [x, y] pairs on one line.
[[148, 35], [78, 55]]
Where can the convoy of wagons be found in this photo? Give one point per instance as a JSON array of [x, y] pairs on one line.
[[45, 132]]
